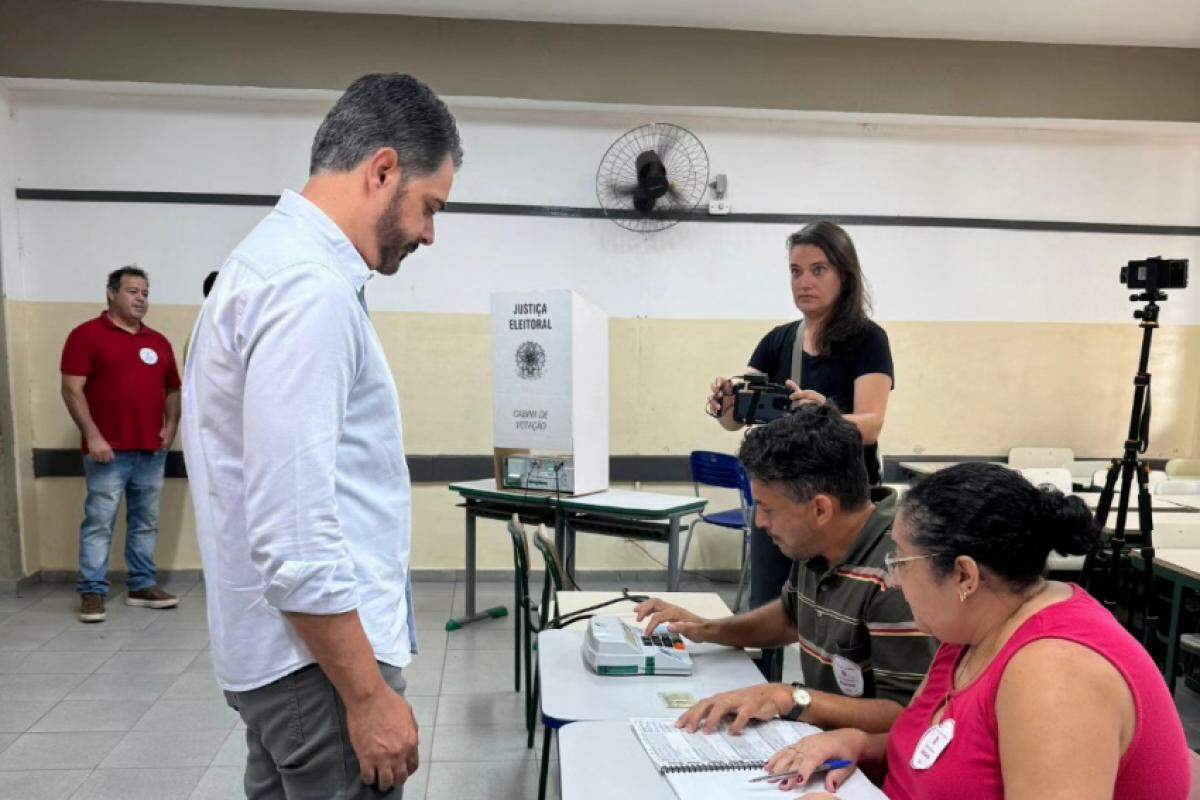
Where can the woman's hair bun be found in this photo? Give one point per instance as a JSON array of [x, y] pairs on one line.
[[1065, 521]]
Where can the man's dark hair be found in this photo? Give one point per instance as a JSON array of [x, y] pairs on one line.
[[994, 515], [209, 280], [114, 277], [811, 451], [387, 110]]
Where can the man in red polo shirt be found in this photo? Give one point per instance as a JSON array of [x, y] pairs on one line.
[[121, 386]]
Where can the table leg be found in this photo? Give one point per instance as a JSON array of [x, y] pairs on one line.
[[1173, 635], [564, 544], [471, 567], [560, 543], [673, 556], [570, 537], [471, 615]]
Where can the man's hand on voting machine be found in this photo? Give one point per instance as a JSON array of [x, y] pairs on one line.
[[657, 612], [763, 702]]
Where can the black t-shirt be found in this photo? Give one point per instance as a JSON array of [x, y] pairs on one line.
[[832, 375]]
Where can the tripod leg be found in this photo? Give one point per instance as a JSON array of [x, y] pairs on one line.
[[1128, 468], [1106, 494], [1093, 556], [1146, 522]]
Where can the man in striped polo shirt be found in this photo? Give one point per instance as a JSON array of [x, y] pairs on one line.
[[860, 650]]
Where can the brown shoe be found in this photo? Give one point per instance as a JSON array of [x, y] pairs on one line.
[[151, 597], [91, 608]]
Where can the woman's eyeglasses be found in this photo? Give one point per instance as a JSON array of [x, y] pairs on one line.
[[890, 561]]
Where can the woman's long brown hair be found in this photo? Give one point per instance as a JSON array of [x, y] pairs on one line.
[[850, 310]]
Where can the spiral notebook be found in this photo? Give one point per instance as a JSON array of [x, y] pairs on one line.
[[699, 765]]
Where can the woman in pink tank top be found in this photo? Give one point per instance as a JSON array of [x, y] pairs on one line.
[[1037, 691]]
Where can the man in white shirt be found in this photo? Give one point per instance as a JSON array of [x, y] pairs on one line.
[[291, 431]]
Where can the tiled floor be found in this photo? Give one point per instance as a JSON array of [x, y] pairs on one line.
[[129, 708]]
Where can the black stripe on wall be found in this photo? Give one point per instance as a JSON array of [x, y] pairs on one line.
[[65, 463], [575, 212]]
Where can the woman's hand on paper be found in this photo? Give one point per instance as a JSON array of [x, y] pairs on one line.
[[806, 755]]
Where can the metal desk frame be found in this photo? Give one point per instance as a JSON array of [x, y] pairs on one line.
[[567, 516]]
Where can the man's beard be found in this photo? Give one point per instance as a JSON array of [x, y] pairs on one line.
[[394, 243]]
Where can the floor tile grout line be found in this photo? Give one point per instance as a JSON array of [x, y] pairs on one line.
[[53, 705], [441, 676], [212, 762], [82, 783]]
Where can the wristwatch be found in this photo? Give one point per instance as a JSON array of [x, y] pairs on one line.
[[802, 699]]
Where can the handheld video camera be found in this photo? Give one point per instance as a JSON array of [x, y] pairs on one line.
[[757, 401]]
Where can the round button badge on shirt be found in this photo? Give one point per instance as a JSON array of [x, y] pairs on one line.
[[149, 356]]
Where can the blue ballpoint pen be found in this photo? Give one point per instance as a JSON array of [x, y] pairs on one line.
[[828, 766]]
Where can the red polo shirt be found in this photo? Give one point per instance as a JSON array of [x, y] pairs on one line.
[[128, 378]]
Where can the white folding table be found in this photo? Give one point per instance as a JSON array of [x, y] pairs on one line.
[[708, 605], [570, 692], [1158, 503], [604, 760]]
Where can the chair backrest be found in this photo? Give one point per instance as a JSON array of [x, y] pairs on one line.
[[723, 471], [1173, 486], [715, 469], [556, 577], [555, 573], [1022, 457], [520, 543], [1058, 477], [1183, 468]]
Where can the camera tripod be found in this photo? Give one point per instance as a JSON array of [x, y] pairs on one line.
[[1127, 467]]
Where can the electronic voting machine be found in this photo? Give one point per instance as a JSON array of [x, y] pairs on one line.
[[613, 647]]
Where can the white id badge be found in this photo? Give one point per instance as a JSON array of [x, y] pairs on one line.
[[930, 748], [849, 676]]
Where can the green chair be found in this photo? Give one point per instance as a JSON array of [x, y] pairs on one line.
[[523, 606], [532, 619], [556, 580]]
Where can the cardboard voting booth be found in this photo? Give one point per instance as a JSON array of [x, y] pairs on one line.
[[550, 407]]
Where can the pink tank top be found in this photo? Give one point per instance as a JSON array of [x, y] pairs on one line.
[[1155, 766]]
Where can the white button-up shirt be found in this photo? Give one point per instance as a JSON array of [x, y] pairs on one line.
[[291, 432]]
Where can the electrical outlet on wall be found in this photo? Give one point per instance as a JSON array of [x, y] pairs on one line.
[[717, 203]]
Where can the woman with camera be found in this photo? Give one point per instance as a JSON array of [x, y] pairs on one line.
[[833, 354]]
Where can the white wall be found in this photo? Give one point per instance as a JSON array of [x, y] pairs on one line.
[[112, 140], [964, 388]]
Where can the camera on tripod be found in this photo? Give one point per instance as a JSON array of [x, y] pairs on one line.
[[1150, 277], [1153, 274], [757, 401]]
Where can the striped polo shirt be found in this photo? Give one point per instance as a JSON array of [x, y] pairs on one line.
[[847, 614]]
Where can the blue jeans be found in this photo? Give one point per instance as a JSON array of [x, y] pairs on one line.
[[139, 476]]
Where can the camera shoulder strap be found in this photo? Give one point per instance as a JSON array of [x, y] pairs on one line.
[[797, 372]]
